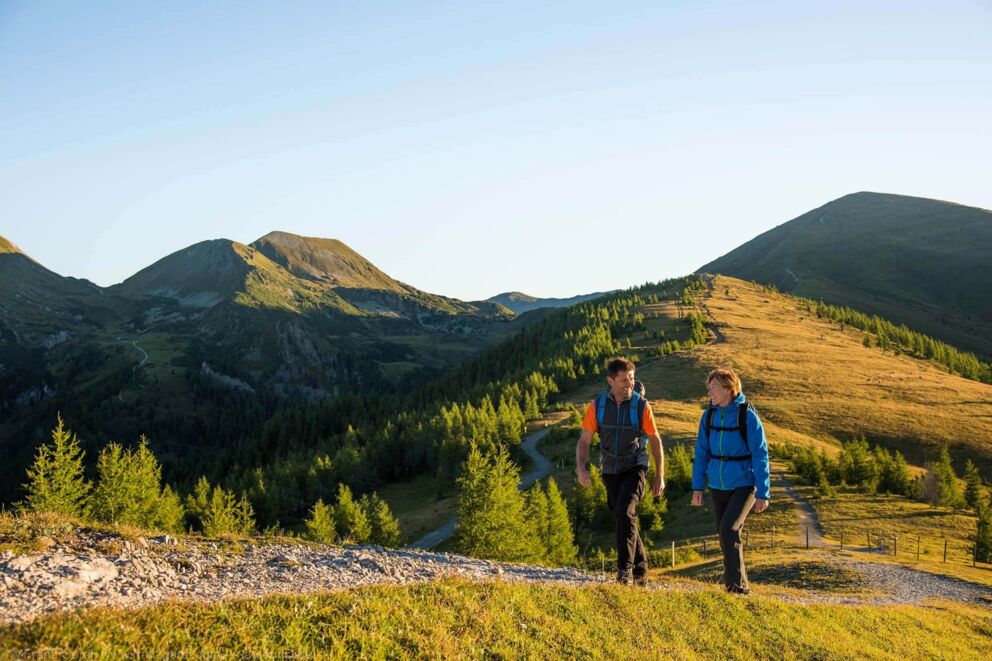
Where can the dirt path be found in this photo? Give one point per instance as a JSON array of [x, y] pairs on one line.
[[809, 522], [899, 584], [542, 468]]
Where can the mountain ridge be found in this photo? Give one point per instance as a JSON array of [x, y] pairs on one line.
[[913, 260]]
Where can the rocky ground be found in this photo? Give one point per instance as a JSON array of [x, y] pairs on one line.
[[103, 569], [96, 568]]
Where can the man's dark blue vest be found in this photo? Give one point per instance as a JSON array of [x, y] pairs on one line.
[[622, 445]]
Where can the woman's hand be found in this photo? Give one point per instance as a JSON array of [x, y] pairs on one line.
[[760, 505], [697, 498]]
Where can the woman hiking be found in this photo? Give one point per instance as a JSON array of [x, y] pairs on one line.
[[732, 459]]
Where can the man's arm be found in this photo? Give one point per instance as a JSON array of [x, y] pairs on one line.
[[582, 457], [657, 452]]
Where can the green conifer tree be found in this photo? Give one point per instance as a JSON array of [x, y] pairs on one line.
[[983, 531], [973, 485], [560, 545], [169, 513], [385, 529], [591, 511], [491, 508], [55, 480], [198, 503], [349, 517], [948, 490], [536, 516], [320, 523]]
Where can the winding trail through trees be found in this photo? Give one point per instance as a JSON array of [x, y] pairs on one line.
[[134, 369], [542, 468]]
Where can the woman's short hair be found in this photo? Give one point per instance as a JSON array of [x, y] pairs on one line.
[[728, 379]]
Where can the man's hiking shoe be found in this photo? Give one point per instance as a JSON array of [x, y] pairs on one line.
[[641, 580], [623, 577], [742, 592]]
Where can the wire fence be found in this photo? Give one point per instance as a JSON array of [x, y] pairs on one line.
[[876, 540]]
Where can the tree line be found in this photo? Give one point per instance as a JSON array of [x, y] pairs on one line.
[[900, 339]]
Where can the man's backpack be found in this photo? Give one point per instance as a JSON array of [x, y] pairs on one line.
[[741, 427]]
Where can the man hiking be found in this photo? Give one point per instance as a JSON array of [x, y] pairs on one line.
[[626, 427]]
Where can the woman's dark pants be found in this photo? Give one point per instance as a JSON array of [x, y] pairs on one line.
[[623, 493], [731, 508]]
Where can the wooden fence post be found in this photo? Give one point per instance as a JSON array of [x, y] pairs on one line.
[[841, 539], [869, 539], [895, 545], [773, 537], [673, 554], [807, 536], [945, 549], [917, 547]]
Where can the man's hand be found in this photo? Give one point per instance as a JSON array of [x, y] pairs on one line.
[[760, 505], [584, 479], [658, 485], [697, 498]]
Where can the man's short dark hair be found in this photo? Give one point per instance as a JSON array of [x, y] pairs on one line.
[[616, 365]]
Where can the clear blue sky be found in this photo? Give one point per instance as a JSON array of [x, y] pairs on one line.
[[553, 148]]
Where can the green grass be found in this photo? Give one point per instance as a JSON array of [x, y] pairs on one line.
[[458, 619], [415, 503], [786, 568]]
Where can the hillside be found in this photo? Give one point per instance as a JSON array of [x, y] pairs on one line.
[[814, 382], [911, 260], [199, 348], [520, 302]]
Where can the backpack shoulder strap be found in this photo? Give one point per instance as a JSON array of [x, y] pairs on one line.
[[742, 419], [636, 408], [709, 422], [600, 408]]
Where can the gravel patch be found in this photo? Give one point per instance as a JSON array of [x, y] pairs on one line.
[[102, 569]]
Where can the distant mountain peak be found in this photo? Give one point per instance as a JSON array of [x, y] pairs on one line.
[[520, 302], [9, 248], [325, 260]]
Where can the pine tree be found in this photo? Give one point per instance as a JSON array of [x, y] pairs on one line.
[[948, 489], [55, 479], [169, 513], [678, 471], [591, 510], [560, 543], [111, 500], [983, 531], [491, 508], [320, 524], [198, 502], [226, 515], [128, 488], [973, 484], [349, 517], [536, 516], [385, 529]]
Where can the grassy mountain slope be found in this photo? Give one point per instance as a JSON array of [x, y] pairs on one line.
[[911, 260], [808, 378]]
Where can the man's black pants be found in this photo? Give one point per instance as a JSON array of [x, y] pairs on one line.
[[623, 493], [731, 508]]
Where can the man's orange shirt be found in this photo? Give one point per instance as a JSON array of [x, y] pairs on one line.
[[647, 423]]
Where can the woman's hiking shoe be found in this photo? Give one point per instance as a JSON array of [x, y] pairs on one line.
[[623, 577], [641, 580], [743, 592]]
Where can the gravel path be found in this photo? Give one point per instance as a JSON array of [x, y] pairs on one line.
[[899, 584]]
